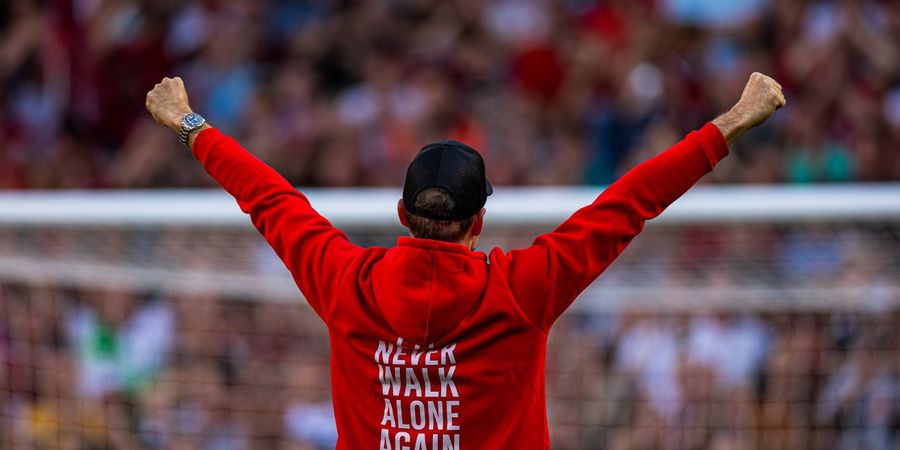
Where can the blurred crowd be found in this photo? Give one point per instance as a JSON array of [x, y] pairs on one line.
[[723, 338], [727, 381], [106, 370], [344, 92], [99, 370]]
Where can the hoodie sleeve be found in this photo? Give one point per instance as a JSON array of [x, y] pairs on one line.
[[547, 276], [315, 252]]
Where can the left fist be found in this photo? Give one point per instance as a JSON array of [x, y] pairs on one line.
[[168, 103], [761, 97]]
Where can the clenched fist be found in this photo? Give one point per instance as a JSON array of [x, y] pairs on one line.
[[168, 103], [761, 97]]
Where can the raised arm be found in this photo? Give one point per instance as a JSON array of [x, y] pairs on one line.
[[547, 276], [313, 250]]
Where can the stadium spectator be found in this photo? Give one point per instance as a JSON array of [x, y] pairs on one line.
[[563, 92]]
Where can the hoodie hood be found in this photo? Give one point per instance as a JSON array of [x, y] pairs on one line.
[[424, 288]]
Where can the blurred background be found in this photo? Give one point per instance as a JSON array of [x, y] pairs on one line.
[[752, 331]]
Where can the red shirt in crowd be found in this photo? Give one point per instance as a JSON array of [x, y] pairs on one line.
[[434, 346]]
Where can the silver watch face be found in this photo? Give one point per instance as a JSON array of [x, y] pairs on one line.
[[192, 120]]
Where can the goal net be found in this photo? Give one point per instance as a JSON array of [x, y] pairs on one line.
[[742, 318]]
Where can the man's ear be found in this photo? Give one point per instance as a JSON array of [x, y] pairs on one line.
[[401, 212], [478, 223]]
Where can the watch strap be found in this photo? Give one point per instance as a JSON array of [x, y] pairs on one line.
[[184, 134]]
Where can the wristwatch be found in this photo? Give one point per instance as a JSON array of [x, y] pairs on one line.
[[190, 123]]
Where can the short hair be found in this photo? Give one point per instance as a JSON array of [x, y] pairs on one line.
[[437, 201]]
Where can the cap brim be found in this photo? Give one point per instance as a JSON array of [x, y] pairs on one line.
[[487, 187]]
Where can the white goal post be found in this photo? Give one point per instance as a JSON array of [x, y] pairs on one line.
[[373, 207], [133, 240]]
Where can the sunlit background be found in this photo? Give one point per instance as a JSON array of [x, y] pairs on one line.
[[130, 327]]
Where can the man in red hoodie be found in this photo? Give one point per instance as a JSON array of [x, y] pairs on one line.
[[435, 346]]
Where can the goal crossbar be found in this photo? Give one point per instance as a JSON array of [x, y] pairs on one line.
[[376, 207]]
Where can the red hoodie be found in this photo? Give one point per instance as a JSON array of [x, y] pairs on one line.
[[434, 346]]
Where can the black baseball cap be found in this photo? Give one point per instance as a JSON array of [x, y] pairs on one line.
[[454, 167]]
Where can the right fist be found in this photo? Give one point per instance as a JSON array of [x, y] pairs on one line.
[[168, 103], [761, 97]]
